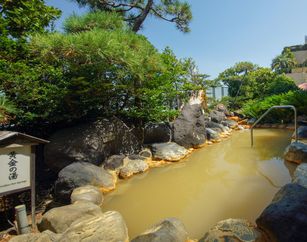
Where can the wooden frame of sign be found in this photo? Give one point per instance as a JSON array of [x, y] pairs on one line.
[[17, 160]]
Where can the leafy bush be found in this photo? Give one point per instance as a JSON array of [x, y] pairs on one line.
[[256, 108]]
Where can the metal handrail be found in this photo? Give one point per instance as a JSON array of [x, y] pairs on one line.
[[269, 110]]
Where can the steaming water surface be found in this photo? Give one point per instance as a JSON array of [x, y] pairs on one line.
[[225, 180]]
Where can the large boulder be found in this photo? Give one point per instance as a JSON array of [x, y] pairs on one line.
[[296, 152], [46, 236], [106, 227], [217, 116], [87, 193], [170, 230], [157, 133], [189, 127], [285, 219], [91, 142], [133, 164], [168, 151], [300, 175], [59, 219], [80, 174], [234, 230]]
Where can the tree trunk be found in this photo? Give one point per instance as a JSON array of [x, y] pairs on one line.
[[139, 21]]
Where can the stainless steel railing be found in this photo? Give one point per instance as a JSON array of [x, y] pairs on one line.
[[269, 110]]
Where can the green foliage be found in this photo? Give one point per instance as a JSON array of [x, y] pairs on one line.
[[136, 11], [7, 109], [235, 77], [255, 108], [285, 62], [23, 17], [95, 20]]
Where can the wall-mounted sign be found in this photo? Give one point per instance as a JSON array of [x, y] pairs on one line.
[[15, 172]]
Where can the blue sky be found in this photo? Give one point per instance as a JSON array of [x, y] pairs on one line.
[[224, 32]]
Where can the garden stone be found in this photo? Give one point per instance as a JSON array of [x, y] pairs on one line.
[[285, 219], [300, 175], [59, 219], [236, 230], [189, 127], [133, 164], [114, 162], [296, 152], [215, 126], [211, 134], [106, 227], [87, 193], [230, 123], [301, 133], [146, 153], [217, 116], [168, 230], [157, 133], [90, 142], [46, 236], [168, 151], [80, 174]]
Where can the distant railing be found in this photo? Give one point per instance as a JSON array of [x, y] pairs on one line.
[[269, 110]]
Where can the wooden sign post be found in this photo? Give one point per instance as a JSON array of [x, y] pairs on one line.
[[17, 162]]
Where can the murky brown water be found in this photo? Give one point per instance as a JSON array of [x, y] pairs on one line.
[[226, 180]]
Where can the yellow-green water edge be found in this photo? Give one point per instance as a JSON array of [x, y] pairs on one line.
[[225, 180]]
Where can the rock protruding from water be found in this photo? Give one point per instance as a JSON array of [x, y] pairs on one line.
[[168, 151], [212, 134], [296, 152], [230, 123], [236, 230], [301, 133], [157, 133], [170, 229], [87, 193], [300, 175], [80, 174], [285, 219], [189, 127], [59, 219], [91, 142], [133, 164], [106, 227], [46, 236]]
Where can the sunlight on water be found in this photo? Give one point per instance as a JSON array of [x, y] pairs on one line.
[[226, 180]]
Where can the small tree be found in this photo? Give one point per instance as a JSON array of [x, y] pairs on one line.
[[284, 63]]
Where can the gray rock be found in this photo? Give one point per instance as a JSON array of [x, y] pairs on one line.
[[212, 134], [114, 162], [157, 133], [233, 230], [87, 193], [168, 230], [168, 151], [91, 142], [216, 127], [230, 123], [146, 153], [285, 219], [296, 152], [300, 175], [217, 116], [302, 133], [189, 127], [106, 227], [79, 174], [59, 219], [133, 164], [46, 236]]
